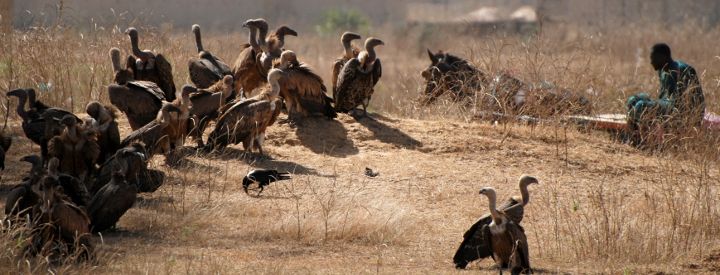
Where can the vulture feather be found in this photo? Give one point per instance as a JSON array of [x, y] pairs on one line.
[[357, 79], [106, 128], [150, 66], [349, 52], [303, 90], [507, 241], [247, 69], [207, 69], [111, 202], [206, 104], [154, 134], [76, 148]]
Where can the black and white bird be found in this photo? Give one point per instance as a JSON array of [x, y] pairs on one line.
[[263, 178]]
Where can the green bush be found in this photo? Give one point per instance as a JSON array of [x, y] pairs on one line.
[[339, 20]]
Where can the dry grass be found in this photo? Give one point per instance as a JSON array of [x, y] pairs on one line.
[[602, 207]]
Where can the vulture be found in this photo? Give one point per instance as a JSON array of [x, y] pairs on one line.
[[60, 220], [303, 90], [505, 238], [247, 70], [111, 202], [22, 198], [207, 69], [474, 245], [106, 127], [350, 52], [206, 104], [39, 122], [76, 148], [139, 100], [357, 79], [150, 66], [449, 73], [247, 120], [178, 129], [273, 46], [75, 189], [263, 178], [154, 134], [133, 160]]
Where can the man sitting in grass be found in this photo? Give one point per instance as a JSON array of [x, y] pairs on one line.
[[681, 103]]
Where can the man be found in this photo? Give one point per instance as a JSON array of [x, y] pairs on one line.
[[681, 102]]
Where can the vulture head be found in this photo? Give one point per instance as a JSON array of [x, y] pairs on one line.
[[165, 115], [99, 112], [346, 39], [288, 58], [257, 25], [526, 180], [122, 76], [274, 79], [368, 56], [283, 30], [373, 42], [276, 45]]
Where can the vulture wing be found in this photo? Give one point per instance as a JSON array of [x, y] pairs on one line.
[[302, 86], [241, 120], [130, 65], [203, 73], [376, 71], [139, 100], [164, 70], [476, 245], [337, 67], [513, 209], [246, 71], [151, 135], [353, 86], [74, 189]]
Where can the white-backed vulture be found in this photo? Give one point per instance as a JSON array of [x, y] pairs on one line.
[[111, 202], [206, 104], [39, 122], [60, 221], [357, 80], [139, 100], [303, 90], [474, 242], [349, 52], [106, 127], [273, 46], [505, 238], [247, 69], [207, 69], [150, 66], [154, 134], [247, 120], [262, 178], [76, 148]]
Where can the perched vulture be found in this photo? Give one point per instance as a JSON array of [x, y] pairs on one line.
[[150, 66], [40, 122], [247, 120], [505, 238], [263, 178], [154, 134], [140, 101], [76, 148], [350, 52], [111, 202], [247, 69], [474, 245], [303, 90], [59, 221], [207, 69], [356, 82], [449, 73], [106, 128], [206, 104], [133, 160]]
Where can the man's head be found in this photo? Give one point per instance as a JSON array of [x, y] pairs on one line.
[[660, 56]]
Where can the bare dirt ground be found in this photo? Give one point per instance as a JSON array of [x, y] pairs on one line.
[[597, 201]]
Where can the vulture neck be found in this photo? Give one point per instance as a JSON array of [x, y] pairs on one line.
[[348, 49], [198, 40], [261, 40], [497, 218], [524, 192], [135, 49], [253, 39], [22, 100], [371, 55]]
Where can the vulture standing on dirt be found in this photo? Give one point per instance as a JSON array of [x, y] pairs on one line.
[[350, 52], [263, 178], [150, 66], [207, 69], [246, 70], [474, 244], [111, 202], [22, 198], [206, 104], [247, 120], [76, 148], [106, 127], [139, 100], [303, 90], [505, 238], [59, 220], [154, 134], [356, 82], [134, 161], [39, 122]]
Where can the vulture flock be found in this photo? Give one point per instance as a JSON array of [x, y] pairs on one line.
[[87, 176]]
